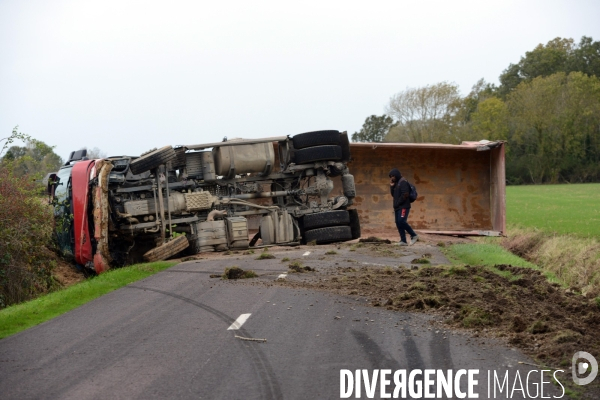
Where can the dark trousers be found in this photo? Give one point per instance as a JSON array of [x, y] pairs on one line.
[[402, 224]]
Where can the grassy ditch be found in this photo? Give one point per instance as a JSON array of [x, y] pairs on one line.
[[574, 260], [25, 315], [557, 227], [558, 321]]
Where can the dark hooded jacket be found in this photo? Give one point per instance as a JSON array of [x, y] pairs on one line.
[[400, 191]]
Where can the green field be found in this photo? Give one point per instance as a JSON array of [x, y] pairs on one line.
[[563, 209]]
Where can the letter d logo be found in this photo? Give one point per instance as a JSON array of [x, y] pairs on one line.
[[582, 367]]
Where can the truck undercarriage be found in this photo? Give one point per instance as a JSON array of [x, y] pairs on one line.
[[200, 198]]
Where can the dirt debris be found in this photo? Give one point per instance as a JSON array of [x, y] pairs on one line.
[[296, 266], [373, 239], [236, 272], [66, 274], [515, 304], [265, 256]]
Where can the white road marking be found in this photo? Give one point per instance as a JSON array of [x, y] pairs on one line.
[[305, 254], [368, 263], [237, 324]]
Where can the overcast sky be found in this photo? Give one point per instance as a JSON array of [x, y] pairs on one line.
[[127, 76]]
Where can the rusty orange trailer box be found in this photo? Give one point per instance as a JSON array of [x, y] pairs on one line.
[[461, 188]]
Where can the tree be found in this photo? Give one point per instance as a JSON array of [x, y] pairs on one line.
[[36, 158], [374, 129], [490, 120], [555, 127], [425, 114], [586, 57], [468, 106], [547, 60], [558, 55], [509, 79], [16, 135], [541, 61]]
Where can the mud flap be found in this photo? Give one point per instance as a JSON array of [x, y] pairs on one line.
[[102, 257]]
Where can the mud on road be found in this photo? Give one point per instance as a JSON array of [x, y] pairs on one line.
[[516, 305]]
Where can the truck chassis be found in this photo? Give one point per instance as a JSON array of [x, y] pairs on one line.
[[199, 198]]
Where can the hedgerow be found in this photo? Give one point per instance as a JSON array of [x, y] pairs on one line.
[[26, 220]]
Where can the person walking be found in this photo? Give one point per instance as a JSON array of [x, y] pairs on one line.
[[400, 189]]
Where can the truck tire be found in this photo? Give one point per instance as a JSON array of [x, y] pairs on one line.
[[179, 160], [316, 138], [328, 234], [152, 160], [167, 250], [345, 143], [318, 153], [328, 218], [354, 223], [194, 246]]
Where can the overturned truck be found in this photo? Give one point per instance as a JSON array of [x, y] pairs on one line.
[[204, 198]]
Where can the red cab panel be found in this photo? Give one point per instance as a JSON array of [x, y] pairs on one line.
[[80, 180]]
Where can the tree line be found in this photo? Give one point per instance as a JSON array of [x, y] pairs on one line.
[[547, 108]]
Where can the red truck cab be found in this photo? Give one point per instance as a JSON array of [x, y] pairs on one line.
[[69, 189]]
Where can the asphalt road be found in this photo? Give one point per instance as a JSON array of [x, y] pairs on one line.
[[167, 336]]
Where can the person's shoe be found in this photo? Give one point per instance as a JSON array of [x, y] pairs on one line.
[[414, 239], [402, 243]]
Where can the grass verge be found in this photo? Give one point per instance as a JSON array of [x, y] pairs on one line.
[[491, 255], [25, 315], [484, 254]]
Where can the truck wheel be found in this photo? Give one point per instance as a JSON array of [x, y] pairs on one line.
[[179, 160], [329, 218], [194, 246], [152, 160], [318, 153], [345, 143], [167, 250], [354, 223], [328, 234], [316, 138]]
